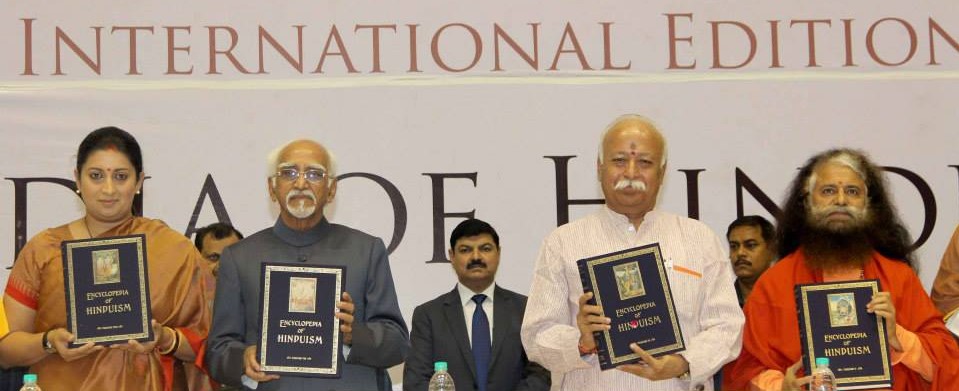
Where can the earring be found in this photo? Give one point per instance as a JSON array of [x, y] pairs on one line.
[[77, 191], [138, 192]]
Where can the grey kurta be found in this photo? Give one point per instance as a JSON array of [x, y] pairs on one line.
[[380, 336]]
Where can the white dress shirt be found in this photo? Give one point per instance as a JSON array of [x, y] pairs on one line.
[[469, 307], [699, 274]]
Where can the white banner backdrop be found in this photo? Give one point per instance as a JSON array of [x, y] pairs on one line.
[[482, 104]]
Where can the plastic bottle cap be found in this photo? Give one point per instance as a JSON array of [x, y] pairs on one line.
[[30, 378], [439, 366], [822, 361]]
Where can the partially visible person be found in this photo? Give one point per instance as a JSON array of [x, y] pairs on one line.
[[109, 175], [4, 326], [559, 324], [373, 333], [446, 328], [839, 224], [945, 289], [11, 379], [752, 249], [212, 239]]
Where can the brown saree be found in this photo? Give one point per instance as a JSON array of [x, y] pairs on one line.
[[177, 294]]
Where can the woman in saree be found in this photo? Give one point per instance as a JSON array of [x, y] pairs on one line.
[[109, 175]]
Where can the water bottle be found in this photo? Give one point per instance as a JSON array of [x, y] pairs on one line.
[[822, 377], [30, 382], [441, 380]]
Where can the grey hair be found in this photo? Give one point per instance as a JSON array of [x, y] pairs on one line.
[[273, 160], [843, 158], [633, 118]]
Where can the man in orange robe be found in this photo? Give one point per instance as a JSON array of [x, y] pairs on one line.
[[838, 224]]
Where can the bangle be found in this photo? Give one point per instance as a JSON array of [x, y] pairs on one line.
[[174, 346], [45, 343], [585, 352]]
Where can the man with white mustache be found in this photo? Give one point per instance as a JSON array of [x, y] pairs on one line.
[[558, 326], [373, 332]]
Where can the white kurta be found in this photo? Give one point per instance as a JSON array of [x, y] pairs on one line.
[[700, 276]]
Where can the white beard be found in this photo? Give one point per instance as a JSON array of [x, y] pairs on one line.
[[300, 210]]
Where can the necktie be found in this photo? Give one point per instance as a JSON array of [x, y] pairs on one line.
[[481, 342]]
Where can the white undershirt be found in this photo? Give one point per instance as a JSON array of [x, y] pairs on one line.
[[469, 307]]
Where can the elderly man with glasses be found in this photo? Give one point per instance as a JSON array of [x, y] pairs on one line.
[[374, 335]]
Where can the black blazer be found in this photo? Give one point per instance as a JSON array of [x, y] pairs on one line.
[[439, 334]]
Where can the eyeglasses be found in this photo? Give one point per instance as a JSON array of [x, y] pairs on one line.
[[312, 175]]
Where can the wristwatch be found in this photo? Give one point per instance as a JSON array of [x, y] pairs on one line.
[[47, 345]]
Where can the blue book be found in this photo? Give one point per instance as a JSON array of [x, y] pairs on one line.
[[633, 290], [833, 323], [107, 290], [299, 334]]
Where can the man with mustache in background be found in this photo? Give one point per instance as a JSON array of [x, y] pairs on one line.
[[475, 327], [839, 224], [559, 324], [373, 333], [751, 250]]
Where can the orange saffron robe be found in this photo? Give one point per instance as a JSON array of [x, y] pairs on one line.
[[771, 334], [177, 295], [945, 289]]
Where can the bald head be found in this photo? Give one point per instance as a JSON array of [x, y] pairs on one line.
[[276, 156], [635, 123]]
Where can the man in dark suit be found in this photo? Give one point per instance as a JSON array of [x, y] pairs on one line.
[[455, 327], [373, 334]]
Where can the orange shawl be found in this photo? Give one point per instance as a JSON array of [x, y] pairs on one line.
[[771, 334], [177, 297], [945, 289]]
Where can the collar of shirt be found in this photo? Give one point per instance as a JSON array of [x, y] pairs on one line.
[[466, 295], [301, 238], [469, 307], [621, 222]]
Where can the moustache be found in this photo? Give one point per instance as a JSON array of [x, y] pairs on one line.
[[296, 193], [300, 210], [743, 262], [635, 184], [475, 264]]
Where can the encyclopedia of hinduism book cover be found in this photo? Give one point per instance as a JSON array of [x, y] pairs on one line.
[[299, 332], [633, 290], [833, 323], [107, 290]]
